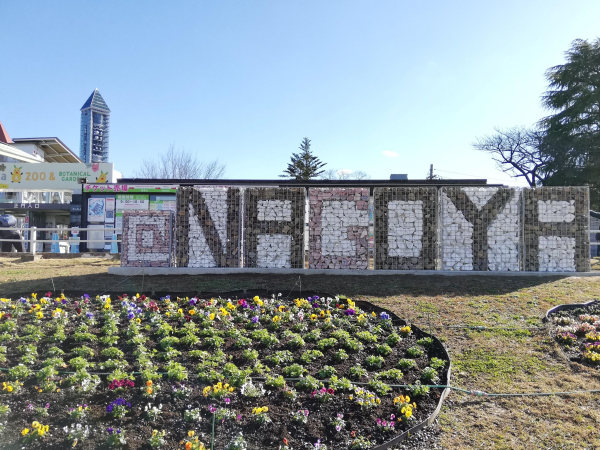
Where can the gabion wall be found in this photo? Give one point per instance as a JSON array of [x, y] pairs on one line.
[[147, 239], [556, 229], [208, 227], [418, 228], [405, 228], [480, 228], [338, 228], [274, 228]]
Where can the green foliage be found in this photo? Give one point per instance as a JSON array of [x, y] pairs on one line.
[[176, 371], [391, 374], [373, 361], [357, 372], [19, 372], [384, 349], [407, 364], [340, 355], [437, 363], [250, 355], [425, 342], [393, 339], [235, 376], [294, 371], [308, 384], [353, 345], [328, 343], [275, 382], [340, 384], [265, 338], [415, 352], [429, 374], [168, 342], [242, 342], [79, 363], [326, 372], [417, 390], [313, 335], [366, 337], [280, 357], [189, 339], [380, 387], [304, 165], [296, 341], [310, 355]]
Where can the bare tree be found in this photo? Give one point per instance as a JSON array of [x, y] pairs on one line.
[[517, 152], [336, 174], [180, 164]]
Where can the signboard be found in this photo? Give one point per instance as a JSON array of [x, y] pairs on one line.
[[132, 202], [130, 188], [52, 176], [95, 210], [163, 203]]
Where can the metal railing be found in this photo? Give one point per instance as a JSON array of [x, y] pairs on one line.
[[32, 240]]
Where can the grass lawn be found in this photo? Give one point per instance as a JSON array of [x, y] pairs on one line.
[[500, 360]]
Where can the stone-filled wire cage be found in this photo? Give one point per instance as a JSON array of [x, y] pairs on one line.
[[208, 227], [274, 227], [406, 236], [480, 228], [556, 233], [338, 228], [147, 239]]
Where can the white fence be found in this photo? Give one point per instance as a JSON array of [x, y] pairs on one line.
[[33, 240]]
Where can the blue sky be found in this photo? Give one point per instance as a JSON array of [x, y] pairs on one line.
[[245, 81]]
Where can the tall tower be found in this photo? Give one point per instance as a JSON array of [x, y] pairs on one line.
[[95, 127]]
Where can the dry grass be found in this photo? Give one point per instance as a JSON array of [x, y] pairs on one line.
[[498, 360]]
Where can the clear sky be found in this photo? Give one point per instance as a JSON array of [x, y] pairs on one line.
[[245, 81]]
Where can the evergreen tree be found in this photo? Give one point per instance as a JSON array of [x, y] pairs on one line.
[[304, 165], [573, 132]]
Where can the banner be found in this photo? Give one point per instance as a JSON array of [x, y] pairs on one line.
[[52, 176]]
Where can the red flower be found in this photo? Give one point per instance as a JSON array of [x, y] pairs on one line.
[[143, 297], [188, 318], [120, 298], [353, 433], [330, 391], [78, 310], [48, 294], [285, 441]]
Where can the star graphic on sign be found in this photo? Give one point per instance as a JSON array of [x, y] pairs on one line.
[[2, 167]]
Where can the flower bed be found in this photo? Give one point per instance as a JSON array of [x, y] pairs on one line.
[[263, 372], [577, 328]]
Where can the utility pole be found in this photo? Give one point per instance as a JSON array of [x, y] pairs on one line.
[[431, 171]]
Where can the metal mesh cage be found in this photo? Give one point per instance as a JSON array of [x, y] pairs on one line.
[[147, 239], [338, 227], [208, 227], [556, 233], [274, 227], [480, 229], [406, 228]]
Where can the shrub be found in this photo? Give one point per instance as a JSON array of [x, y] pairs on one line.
[[308, 384], [275, 382], [310, 355], [358, 371]]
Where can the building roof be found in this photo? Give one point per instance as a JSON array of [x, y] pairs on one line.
[[310, 183], [4, 137], [13, 152], [96, 102], [55, 150]]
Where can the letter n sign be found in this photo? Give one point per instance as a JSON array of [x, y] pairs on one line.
[[405, 228], [274, 227]]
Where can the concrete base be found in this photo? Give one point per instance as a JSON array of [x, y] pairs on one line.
[[30, 257], [134, 271]]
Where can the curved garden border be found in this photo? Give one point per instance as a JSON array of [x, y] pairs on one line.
[[568, 306], [444, 379]]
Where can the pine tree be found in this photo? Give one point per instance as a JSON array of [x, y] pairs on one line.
[[304, 165], [573, 132]]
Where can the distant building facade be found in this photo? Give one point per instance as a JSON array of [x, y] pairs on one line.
[[95, 129]]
